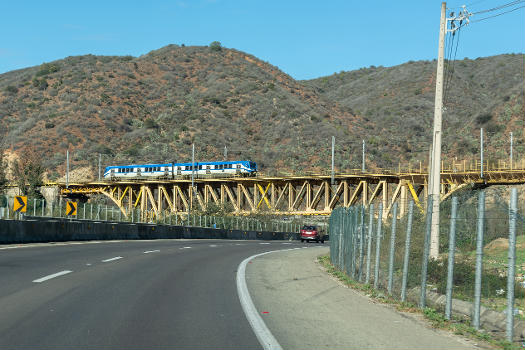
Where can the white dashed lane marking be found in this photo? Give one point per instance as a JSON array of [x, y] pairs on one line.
[[48, 277], [151, 251], [185, 248], [264, 243], [112, 259]]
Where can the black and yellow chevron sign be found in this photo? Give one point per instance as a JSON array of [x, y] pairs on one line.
[[20, 204], [71, 208]]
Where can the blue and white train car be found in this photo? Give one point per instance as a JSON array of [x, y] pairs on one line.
[[174, 170]]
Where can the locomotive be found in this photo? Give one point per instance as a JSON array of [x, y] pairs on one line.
[[174, 170]]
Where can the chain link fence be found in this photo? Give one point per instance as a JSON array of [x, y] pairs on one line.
[[481, 265]]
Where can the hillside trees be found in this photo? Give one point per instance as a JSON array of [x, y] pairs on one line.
[[215, 46], [3, 176], [28, 172]]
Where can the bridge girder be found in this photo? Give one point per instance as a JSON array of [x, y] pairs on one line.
[[294, 195]]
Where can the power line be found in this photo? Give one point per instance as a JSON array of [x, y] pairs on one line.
[[499, 14], [499, 7]]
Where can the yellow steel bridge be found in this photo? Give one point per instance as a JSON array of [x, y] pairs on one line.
[[311, 194]]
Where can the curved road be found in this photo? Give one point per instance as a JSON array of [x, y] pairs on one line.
[[126, 294]]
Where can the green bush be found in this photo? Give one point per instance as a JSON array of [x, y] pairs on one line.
[[216, 46], [11, 89], [150, 124], [46, 69]]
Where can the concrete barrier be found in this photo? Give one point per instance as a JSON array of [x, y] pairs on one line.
[[33, 230]]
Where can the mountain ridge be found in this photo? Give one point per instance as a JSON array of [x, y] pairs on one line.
[[151, 108]]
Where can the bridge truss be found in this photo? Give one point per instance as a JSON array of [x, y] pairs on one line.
[[290, 195]]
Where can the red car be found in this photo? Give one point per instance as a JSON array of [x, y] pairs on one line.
[[311, 233]]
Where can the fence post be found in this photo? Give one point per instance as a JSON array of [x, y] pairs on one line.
[[361, 243], [354, 242], [332, 237], [392, 248], [347, 241], [369, 243], [407, 251], [479, 259], [451, 256], [34, 207], [511, 273], [426, 251], [378, 245], [350, 241], [341, 230]]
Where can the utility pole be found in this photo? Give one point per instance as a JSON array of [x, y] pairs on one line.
[[511, 158], [99, 166], [481, 152], [435, 166], [333, 147], [363, 158], [192, 172], [435, 180], [67, 168]]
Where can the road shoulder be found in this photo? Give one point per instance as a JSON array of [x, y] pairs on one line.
[[304, 307]]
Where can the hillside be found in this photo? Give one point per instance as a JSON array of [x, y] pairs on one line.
[[399, 102], [152, 108]]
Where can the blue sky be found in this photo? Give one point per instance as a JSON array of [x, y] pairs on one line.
[[306, 39]]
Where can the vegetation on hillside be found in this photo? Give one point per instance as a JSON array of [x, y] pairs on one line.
[[152, 108], [399, 102]]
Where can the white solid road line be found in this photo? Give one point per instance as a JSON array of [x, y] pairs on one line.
[[112, 259], [262, 332], [48, 277], [151, 251]]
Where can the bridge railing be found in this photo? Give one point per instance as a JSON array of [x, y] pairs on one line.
[[447, 166], [476, 268]]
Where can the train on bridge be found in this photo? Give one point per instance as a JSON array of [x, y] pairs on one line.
[[177, 170]]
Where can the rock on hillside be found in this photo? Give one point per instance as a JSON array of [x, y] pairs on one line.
[[152, 108]]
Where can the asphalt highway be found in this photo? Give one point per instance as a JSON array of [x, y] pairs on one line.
[[126, 294]]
